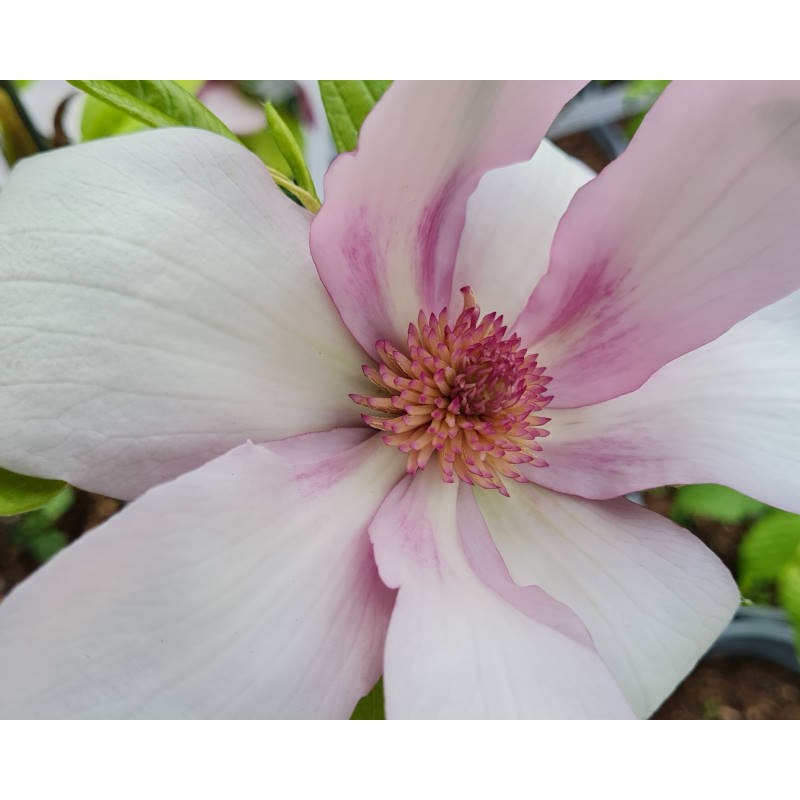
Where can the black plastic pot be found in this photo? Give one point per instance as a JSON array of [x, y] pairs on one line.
[[758, 632]]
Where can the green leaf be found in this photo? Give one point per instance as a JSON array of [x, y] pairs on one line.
[[21, 493], [347, 104], [100, 119], [262, 142], [291, 151], [156, 103], [371, 705], [789, 596], [770, 544], [167, 103], [714, 502], [44, 546]]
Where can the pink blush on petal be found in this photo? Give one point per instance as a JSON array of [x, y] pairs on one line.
[[359, 250], [487, 563]]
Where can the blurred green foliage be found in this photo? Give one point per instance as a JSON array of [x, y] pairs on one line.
[[713, 502], [771, 543], [37, 533], [650, 90], [769, 564]]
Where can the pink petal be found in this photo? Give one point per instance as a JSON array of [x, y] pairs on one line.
[[242, 114], [385, 241], [244, 589], [690, 230], [511, 220], [159, 307], [727, 413], [464, 641], [651, 595]]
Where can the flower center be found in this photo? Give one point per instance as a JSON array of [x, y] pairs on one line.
[[466, 393]]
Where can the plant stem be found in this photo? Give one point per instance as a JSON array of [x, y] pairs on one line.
[[19, 108]]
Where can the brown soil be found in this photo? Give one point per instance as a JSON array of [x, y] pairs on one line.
[[735, 688], [583, 147], [15, 566]]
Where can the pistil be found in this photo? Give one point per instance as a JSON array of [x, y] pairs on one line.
[[466, 395]]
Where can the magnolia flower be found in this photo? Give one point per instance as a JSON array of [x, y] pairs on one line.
[[441, 516]]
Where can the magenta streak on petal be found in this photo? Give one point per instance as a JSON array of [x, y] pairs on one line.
[[327, 470], [487, 563], [593, 469], [594, 305], [359, 250], [435, 284], [584, 300], [323, 476]]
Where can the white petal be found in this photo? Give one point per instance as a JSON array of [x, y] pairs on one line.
[[727, 413], [463, 641], [244, 589], [159, 307], [653, 597], [511, 219]]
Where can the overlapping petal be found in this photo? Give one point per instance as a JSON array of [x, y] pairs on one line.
[[511, 219], [385, 241], [464, 641], [727, 413], [237, 590], [652, 596], [159, 306], [691, 229]]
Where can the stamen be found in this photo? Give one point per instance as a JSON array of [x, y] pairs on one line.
[[465, 395]]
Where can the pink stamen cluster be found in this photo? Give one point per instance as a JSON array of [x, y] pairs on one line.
[[465, 393]]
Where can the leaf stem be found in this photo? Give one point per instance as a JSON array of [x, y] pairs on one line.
[[307, 200]]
